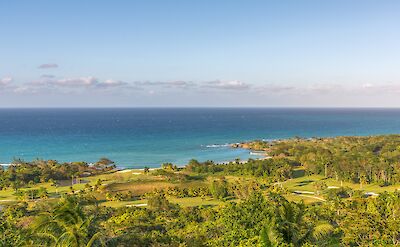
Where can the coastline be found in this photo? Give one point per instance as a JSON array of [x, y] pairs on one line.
[[258, 148], [260, 155], [153, 136]]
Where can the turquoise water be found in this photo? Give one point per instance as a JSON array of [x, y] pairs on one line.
[[150, 136]]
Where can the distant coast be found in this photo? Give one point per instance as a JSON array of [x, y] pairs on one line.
[[148, 137]]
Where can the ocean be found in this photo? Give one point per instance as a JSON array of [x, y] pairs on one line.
[[138, 137]]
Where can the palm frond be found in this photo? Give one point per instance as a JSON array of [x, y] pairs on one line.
[[95, 237], [321, 230]]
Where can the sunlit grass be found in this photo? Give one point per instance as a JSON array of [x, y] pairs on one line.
[[183, 202], [138, 183], [195, 201], [298, 198]]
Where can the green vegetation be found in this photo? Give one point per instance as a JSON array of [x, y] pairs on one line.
[[308, 192]]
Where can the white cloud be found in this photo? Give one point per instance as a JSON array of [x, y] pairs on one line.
[[166, 84], [74, 82], [111, 83], [388, 88], [229, 85], [6, 81], [6, 84], [273, 94], [368, 85], [273, 88], [24, 89], [80, 82]]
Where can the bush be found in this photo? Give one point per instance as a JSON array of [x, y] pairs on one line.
[[320, 186], [342, 192], [158, 201], [219, 188]]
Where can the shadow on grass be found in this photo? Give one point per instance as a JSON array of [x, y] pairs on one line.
[[197, 177], [206, 206], [298, 173], [304, 183]]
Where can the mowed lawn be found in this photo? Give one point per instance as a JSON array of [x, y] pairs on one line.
[[305, 198], [7, 194], [134, 181], [139, 183], [306, 183], [183, 202]]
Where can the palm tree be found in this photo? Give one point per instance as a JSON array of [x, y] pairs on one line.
[[269, 236], [289, 225], [66, 225]]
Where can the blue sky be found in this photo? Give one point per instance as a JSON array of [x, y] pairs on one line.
[[199, 53]]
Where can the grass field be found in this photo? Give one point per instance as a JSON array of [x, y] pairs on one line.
[[184, 202], [305, 199], [139, 183], [7, 195], [306, 183], [123, 181]]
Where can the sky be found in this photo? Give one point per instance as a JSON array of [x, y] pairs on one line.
[[235, 53]]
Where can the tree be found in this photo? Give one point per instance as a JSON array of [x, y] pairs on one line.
[[325, 157], [42, 193], [169, 167], [12, 235], [16, 185], [363, 180], [219, 188], [319, 186], [66, 225], [269, 237], [158, 201], [292, 224], [55, 184], [105, 164]]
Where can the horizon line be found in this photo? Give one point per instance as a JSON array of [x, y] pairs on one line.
[[201, 107]]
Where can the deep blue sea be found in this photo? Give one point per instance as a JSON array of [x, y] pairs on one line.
[[136, 137]]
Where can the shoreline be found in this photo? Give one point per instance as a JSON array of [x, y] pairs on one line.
[[252, 147], [262, 155], [154, 166]]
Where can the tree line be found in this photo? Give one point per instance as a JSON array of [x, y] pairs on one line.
[[373, 159]]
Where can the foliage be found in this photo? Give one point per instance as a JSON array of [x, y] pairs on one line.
[[364, 160], [66, 225], [219, 188], [276, 169], [158, 201], [253, 210], [21, 173]]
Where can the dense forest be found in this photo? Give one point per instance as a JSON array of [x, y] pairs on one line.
[[358, 159], [20, 173], [305, 192]]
